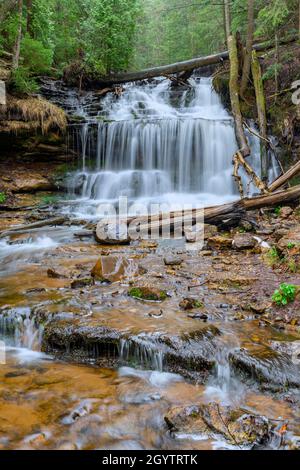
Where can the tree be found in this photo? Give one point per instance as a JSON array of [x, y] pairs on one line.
[[249, 45], [17, 48]]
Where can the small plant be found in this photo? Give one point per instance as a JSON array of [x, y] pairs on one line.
[[277, 210], [291, 245], [273, 255], [284, 295], [2, 198], [22, 82]]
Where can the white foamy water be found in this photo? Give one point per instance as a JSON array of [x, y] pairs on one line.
[[154, 144]]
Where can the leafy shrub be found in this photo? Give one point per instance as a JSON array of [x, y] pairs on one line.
[[23, 82], [36, 57], [285, 294]]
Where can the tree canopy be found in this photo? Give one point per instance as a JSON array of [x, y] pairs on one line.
[[104, 36]]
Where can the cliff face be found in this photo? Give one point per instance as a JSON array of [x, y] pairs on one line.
[[32, 145]]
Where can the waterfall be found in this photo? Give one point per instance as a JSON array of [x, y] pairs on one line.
[[158, 143]]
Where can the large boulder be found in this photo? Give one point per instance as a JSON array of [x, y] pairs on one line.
[[114, 268]]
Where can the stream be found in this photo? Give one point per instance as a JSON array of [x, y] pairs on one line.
[[86, 366]]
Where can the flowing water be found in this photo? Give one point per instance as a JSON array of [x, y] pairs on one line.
[[150, 144]]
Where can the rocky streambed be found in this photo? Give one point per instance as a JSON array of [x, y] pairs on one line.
[[149, 345]]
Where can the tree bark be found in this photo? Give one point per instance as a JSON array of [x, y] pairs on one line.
[[16, 55], [29, 16], [234, 98], [227, 19], [249, 45], [262, 114]]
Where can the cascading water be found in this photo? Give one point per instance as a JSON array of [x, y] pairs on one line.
[[155, 143]]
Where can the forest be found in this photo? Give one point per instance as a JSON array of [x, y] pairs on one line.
[[150, 229]]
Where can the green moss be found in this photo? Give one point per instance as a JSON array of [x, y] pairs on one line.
[[145, 293]]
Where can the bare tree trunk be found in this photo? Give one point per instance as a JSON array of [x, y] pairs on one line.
[[262, 114], [227, 19], [29, 16], [234, 97], [249, 45], [17, 48]]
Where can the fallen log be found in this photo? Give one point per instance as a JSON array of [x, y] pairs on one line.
[[273, 199], [42, 223], [177, 67], [226, 215], [283, 179]]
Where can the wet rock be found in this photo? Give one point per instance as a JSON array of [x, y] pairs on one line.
[[173, 260], [244, 241], [220, 242], [198, 316], [112, 234], [114, 268], [200, 232], [147, 293], [260, 307], [290, 348], [83, 282], [285, 212], [60, 273], [191, 354], [235, 425], [270, 370], [190, 303]]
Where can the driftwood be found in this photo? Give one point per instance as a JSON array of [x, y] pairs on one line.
[[238, 161], [283, 179], [235, 99], [184, 66]]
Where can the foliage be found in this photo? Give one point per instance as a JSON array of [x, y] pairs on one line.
[[272, 71], [2, 198], [285, 294], [22, 81], [38, 59]]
